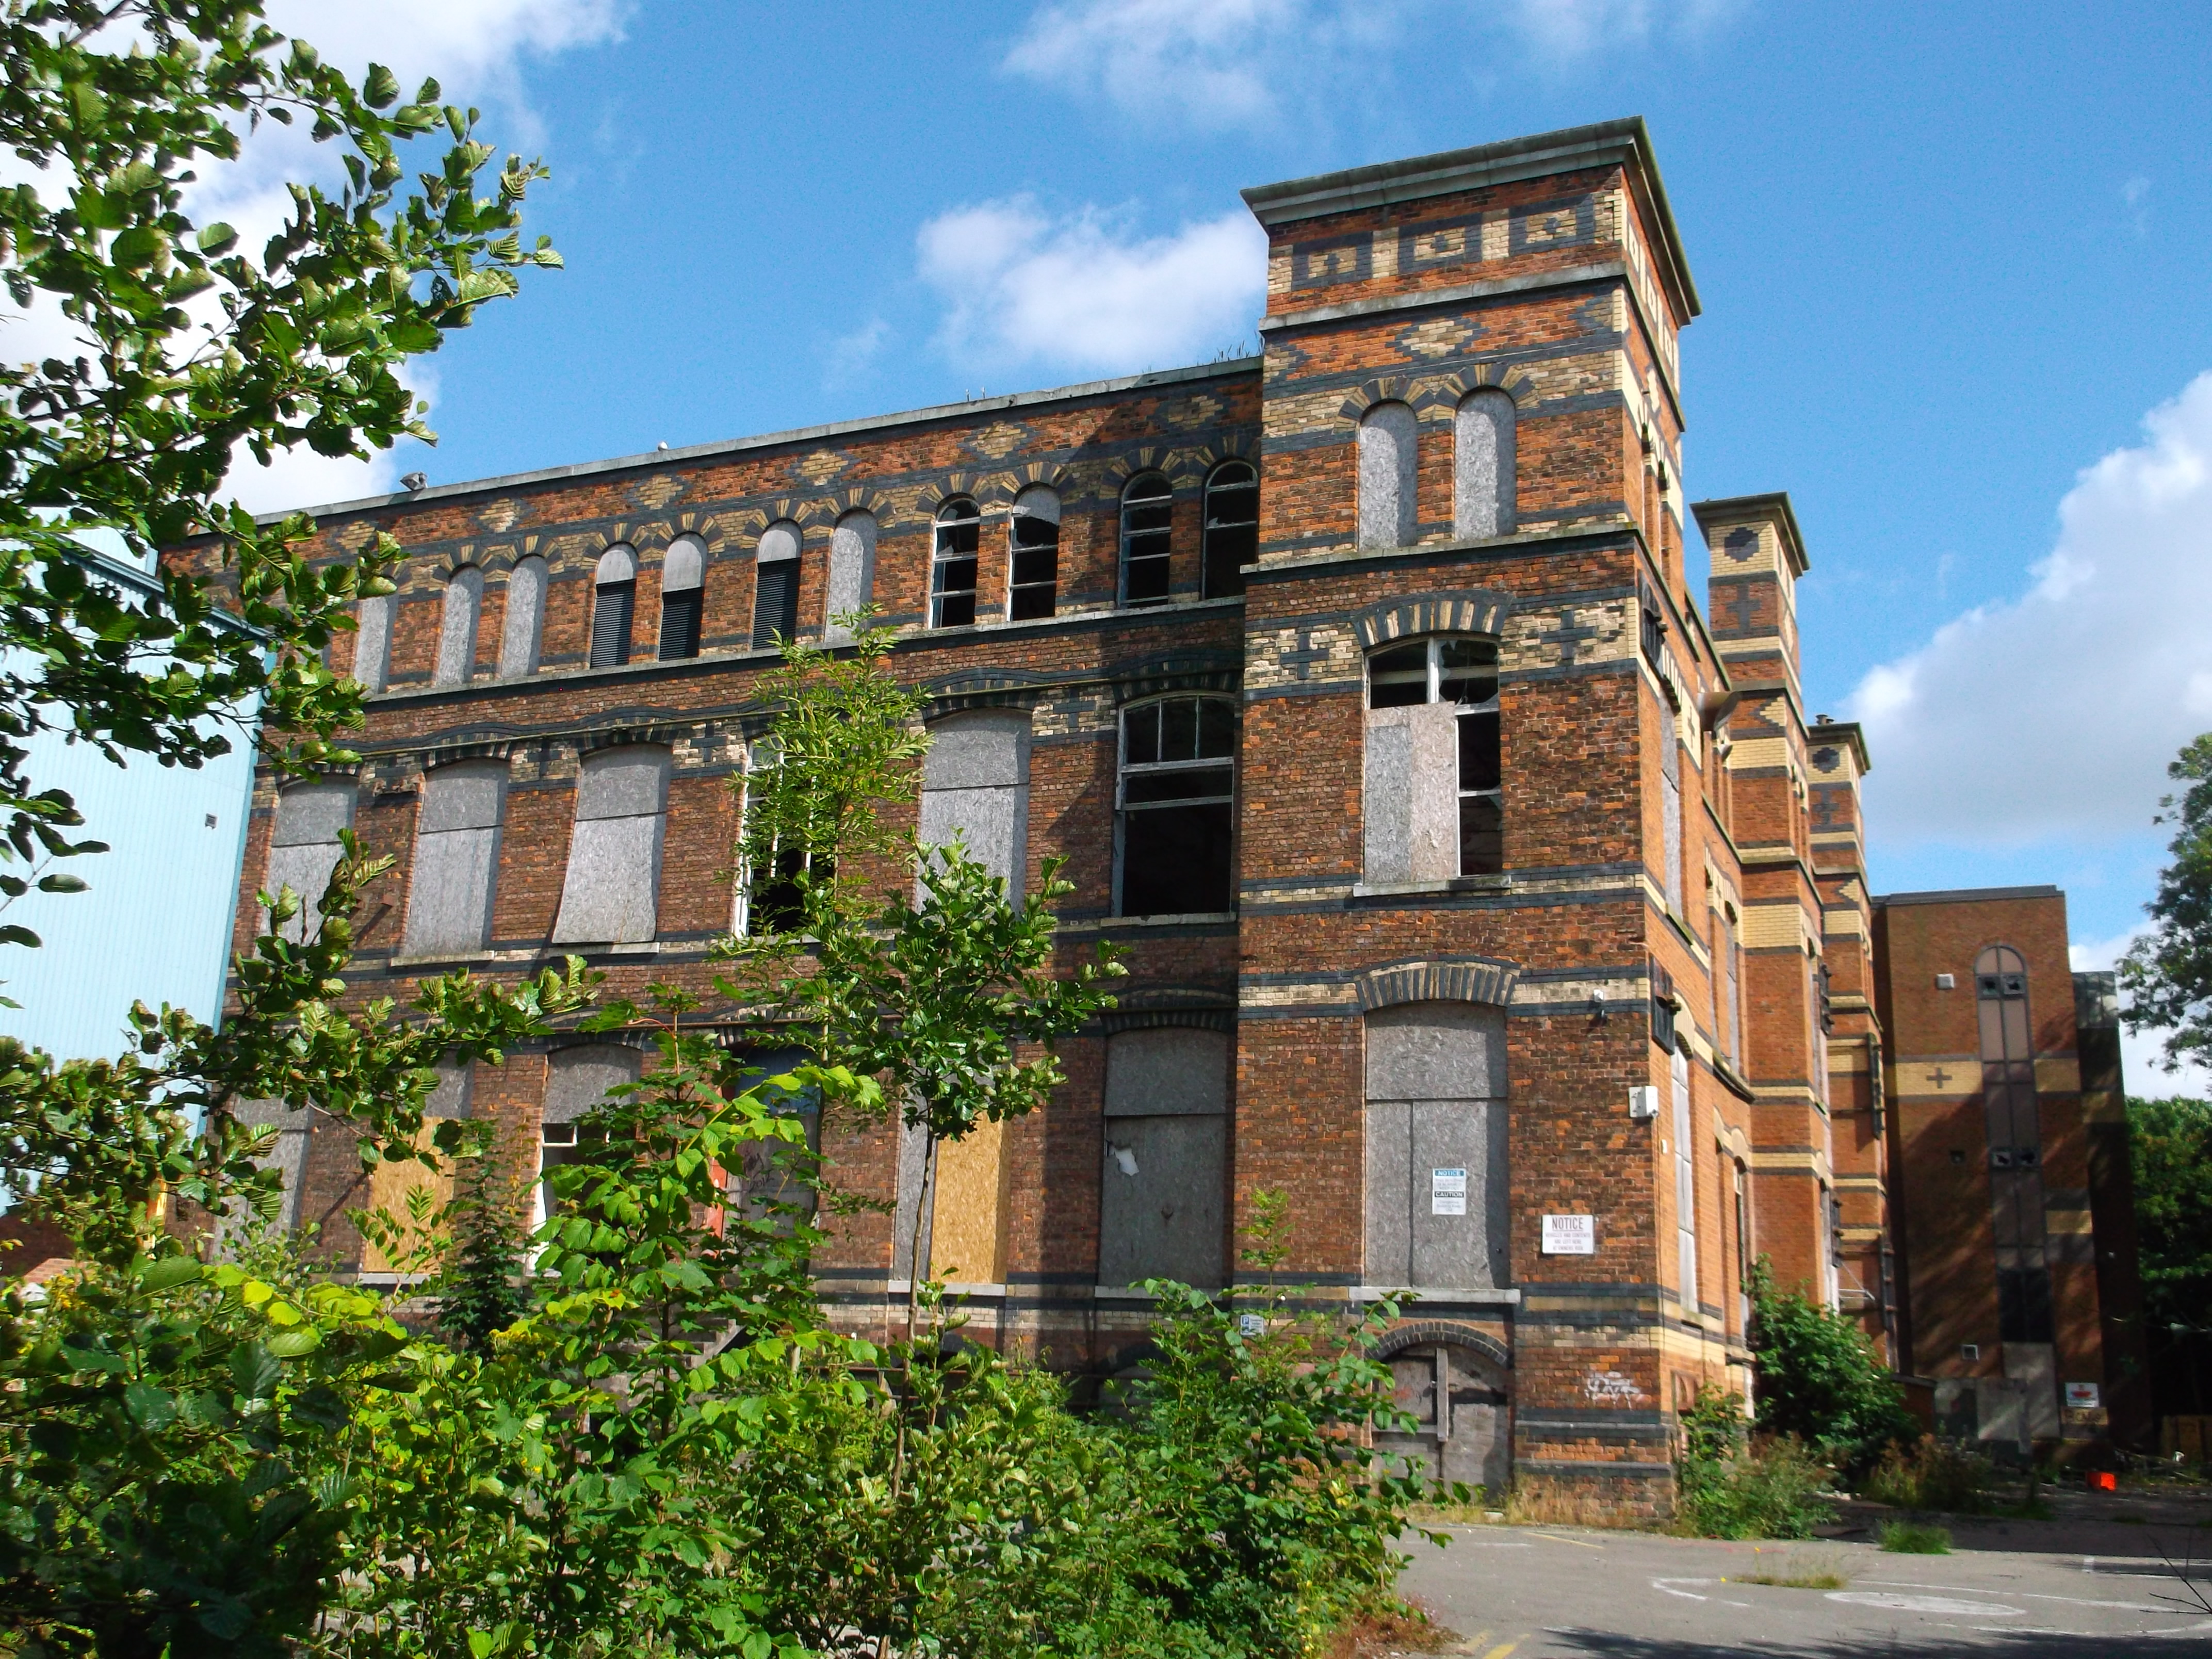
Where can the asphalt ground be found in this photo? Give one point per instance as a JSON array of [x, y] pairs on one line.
[[1558, 1592]]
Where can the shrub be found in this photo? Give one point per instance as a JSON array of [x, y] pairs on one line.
[[1726, 1487], [1909, 1538], [1820, 1379], [1930, 1474]]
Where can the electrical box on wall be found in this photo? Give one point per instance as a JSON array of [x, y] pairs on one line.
[[1644, 1101]]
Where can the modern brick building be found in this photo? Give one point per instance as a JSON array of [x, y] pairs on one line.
[[2015, 1210], [1481, 891]]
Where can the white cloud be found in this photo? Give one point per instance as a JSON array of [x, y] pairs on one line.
[[2055, 714], [851, 355], [2141, 1053], [1082, 292], [1221, 63]]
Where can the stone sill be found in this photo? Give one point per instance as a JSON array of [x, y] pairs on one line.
[[1448, 887], [1429, 1293], [1181, 919]]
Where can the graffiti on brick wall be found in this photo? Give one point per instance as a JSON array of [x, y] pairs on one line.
[[1611, 1389]]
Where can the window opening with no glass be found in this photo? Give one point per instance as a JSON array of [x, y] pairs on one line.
[[953, 573], [1033, 533], [1178, 779], [1147, 514]]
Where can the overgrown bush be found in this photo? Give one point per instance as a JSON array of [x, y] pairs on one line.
[[1817, 1377], [1727, 1488], [1930, 1475]]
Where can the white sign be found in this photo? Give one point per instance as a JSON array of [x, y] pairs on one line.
[[2084, 1396], [1447, 1192], [1570, 1235]]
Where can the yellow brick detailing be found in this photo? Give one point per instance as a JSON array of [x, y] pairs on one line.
[[1772, 926], [2058, 1077], [1943, 1080]]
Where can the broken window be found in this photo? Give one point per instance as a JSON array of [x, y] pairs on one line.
[[683, 571], [768, 897], [1664, 1006], [773, 1180], [371, 643], [1483, 485], [1147, 535], [526, 618], [1033, 578], [1387, 476], [775, 586], [976, 785], [456, 627], [1433, 787], [1163, 1177], [1177, 780], [303, 848], [577, 1081], [449, 884], [851, 569], [614, 600], [1438, 1184], [1232, 527], [952, 570], [612, 890]]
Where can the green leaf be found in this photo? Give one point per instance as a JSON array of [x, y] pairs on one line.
[[217, 239], [10, 933], [168, 1272], [300, 1340], [253, 1371], [380, 88], [61, 883], [149, 1407]]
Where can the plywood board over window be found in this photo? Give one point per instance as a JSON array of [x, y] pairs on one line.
[[612, 890], [1163, 1176], [304, 848], [392, 1183], [1437, 1182]]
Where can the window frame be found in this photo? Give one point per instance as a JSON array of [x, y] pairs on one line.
[[1209, 586], [948, 522], [1132, 502], [763, 563], [1124, 769], [620, 591], [1491, 708], [1020, 592]]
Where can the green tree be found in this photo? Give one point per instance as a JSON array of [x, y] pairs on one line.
[[2168, 973], [1816, 1376], [2170, 1143], [189, 348]]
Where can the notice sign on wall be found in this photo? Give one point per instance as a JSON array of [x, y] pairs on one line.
[[1570, 1235], [2084, 1396], [1447, 1192]]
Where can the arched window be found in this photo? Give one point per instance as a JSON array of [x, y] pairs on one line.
[[1483, 466], [456, 867], [952, 568], [614, 601], [1386, 476], [611, 893], [775, 586], [1033, 536], [456, 627], [976, 785], [372, 643], [681, 572], [1232, 527], [526, 618], [304, 848], [1147, 512], [852, 569], [1177, 785], [1432, 793]]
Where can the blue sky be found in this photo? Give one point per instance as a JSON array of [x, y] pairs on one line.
[[1952, 259]]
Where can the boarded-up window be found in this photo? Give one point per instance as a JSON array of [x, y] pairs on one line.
[[1670, 798], [1437, 1179], [851, 569], [976, 784], [449, 890], [372, 647], [287, 1154], [1483, 487], [682, 594], [576, 1080], [1432, 788], [1686, 1185], [1386, 476], [614, 602], [456, 627], [303, 848], [1232, 527], [525, 626], [775, 586], [1033, 538], [612, 890], [1178, 782], [1164, 1178]]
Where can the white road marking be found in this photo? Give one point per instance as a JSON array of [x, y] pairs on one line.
[[2024, 1596], [1920, 1603], [1665, 1585]]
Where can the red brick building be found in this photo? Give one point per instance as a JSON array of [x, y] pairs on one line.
[[1478, 894], [2014, 1208]]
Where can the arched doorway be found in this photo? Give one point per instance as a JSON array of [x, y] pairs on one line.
[[1456, 1383]]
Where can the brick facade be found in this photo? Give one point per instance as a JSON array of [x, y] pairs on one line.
[[1627, 999]]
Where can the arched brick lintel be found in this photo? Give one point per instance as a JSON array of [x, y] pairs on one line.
[[1470, 979], [1420, 1331]]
